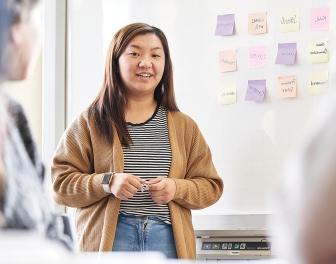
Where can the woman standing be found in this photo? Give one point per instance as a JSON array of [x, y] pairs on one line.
[[132, 164]]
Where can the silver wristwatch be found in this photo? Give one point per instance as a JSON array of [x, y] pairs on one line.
[[106, 180]]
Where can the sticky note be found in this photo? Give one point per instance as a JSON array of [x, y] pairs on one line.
[[225, 25], [318, 82], [318, 52], [289, 21], [287, 86], [228, 95], [227, 61], [286, 53], [257, 56], [319, 18], [256, 91], [257, 23]]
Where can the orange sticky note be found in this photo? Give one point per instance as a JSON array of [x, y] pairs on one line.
[[287, 86], [227, 61], [257, 23]]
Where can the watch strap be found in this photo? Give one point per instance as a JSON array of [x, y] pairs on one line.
[[107, 178]]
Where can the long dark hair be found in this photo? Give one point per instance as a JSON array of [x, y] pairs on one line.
[[108, 109]]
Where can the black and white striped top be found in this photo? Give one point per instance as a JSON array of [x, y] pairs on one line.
[[148, 157]]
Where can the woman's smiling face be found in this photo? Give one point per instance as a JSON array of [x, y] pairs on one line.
[[142, 65]]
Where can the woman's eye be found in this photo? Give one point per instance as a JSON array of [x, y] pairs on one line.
[[156, 56], [134, 54]]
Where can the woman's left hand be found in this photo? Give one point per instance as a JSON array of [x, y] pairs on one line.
[[162, 190]]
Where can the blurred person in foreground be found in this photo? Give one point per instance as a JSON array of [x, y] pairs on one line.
[[23, 202], [307, 224]]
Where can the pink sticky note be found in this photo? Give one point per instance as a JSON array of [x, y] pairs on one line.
[[319, 18], [257, 23], [227, 61], [287, 86], [257, 57]]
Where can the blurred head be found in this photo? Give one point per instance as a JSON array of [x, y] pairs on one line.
[[18, 37], [122, 76]]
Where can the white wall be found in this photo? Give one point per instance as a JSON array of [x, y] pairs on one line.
[[54, 76], [249, 142]]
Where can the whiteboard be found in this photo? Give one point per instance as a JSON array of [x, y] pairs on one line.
[[250, 142]]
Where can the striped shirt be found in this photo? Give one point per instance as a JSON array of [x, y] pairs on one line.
[[148, 157]]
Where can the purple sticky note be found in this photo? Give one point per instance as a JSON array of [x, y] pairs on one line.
[[256, 91], [286, 53], [225, 25]]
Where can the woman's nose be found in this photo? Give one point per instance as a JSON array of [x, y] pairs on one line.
[[145, 63]]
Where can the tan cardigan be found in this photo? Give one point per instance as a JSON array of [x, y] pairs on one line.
[[82, 157]]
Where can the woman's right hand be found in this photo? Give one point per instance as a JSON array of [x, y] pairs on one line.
[[125, 185]]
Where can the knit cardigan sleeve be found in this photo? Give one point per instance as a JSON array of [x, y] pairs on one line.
[[201, 186], [74, 182]]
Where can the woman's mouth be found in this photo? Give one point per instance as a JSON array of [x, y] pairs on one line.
[[144, 75]]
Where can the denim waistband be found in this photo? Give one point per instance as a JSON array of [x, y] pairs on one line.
[[140, 218]]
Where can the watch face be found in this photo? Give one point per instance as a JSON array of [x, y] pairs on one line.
[[106, 178]]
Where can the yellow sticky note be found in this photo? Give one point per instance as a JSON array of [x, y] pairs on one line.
[[289, 21], [318, 82], [257, 23], [227, 61], [318, 52], [287, 86], [228, 95]]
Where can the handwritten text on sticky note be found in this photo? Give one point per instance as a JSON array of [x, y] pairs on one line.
[[289, 21], [257, 23], [286, 53], [227, 61], [318, 52], [318, 82], [257, 57], [225, 25], [228, 95], [319, 18], [287, 86], [256, 91]]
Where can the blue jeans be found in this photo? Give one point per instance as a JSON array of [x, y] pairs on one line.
[[144, 233]]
